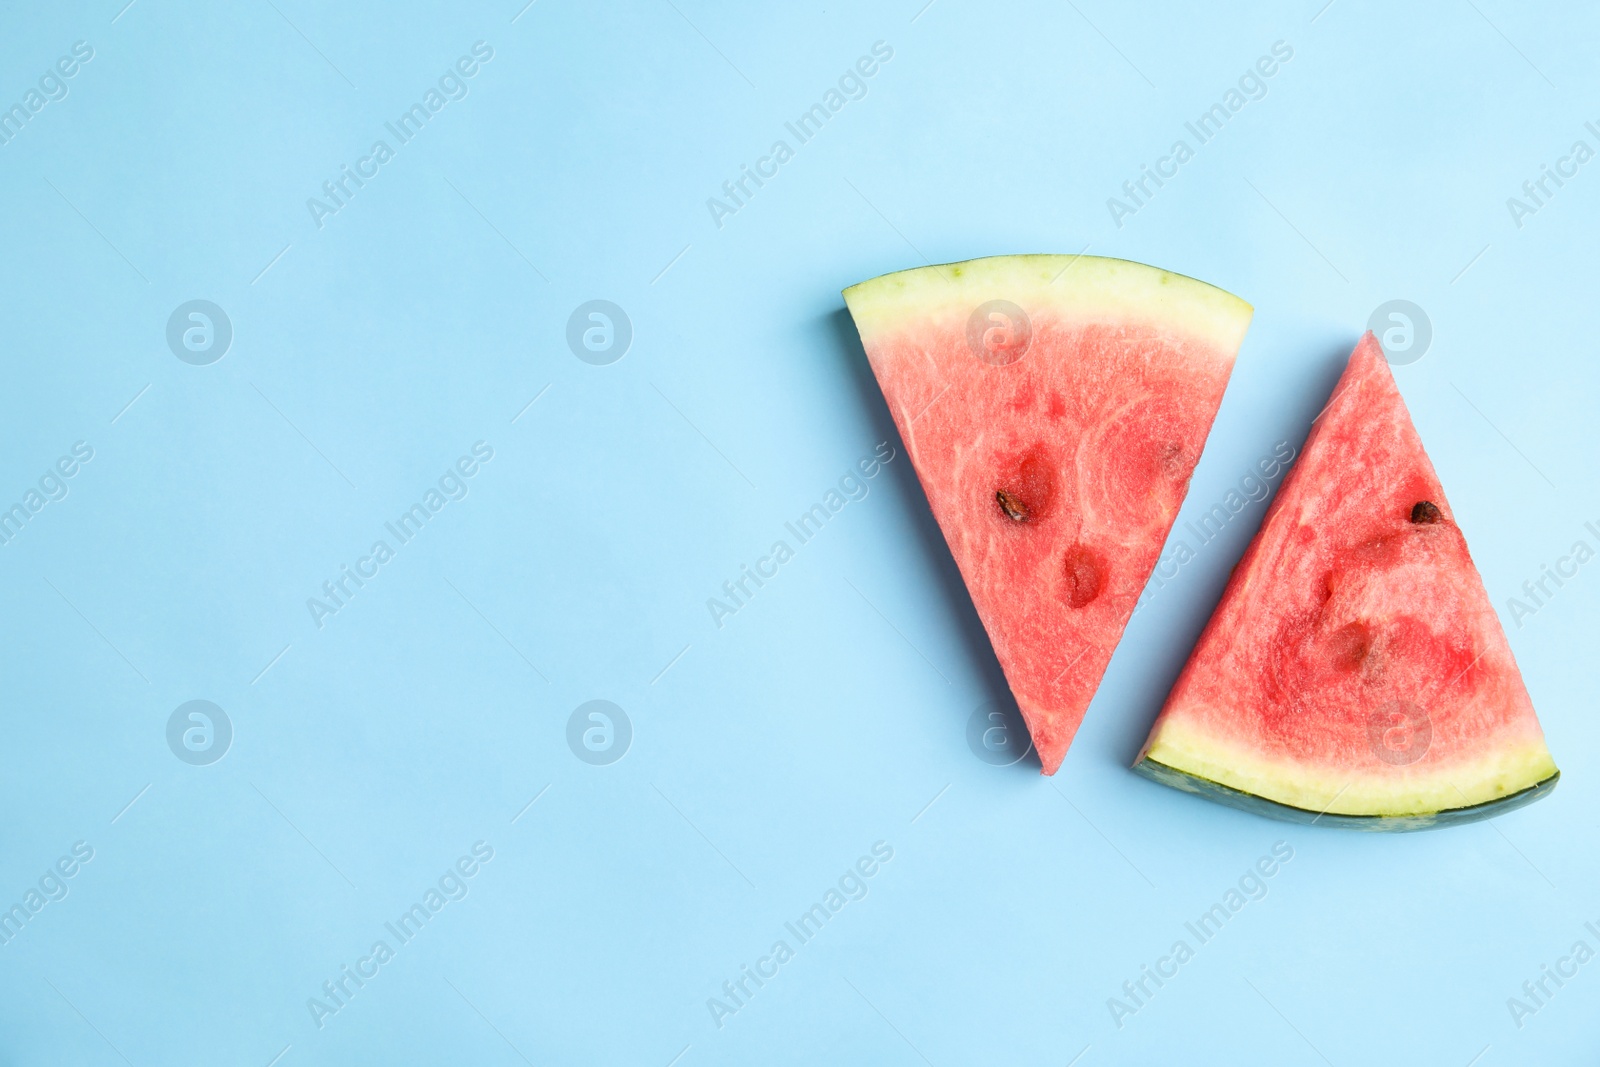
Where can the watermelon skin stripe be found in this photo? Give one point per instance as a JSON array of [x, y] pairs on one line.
[[1157, 771]]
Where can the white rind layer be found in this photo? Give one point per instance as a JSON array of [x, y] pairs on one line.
[[1072, 288], [1424, 788]]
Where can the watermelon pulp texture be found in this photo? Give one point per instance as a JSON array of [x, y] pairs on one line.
[[1053, 408], [1355, 665]]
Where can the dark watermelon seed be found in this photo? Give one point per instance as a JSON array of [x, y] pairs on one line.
[[1013, 507], [1426, 513]]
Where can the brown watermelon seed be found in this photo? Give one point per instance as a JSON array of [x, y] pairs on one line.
[[1426, 513], [1013, 507], [1084, 574]]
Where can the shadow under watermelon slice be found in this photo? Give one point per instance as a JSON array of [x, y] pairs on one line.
[[1355, 672]]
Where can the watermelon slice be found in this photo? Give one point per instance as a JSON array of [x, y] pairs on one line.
[[1053, 407], [1354, 672]]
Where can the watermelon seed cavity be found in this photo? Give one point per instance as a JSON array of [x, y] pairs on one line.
[[1352, 643], [1085, 576]]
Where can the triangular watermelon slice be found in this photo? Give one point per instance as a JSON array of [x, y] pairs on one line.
[[1053, 407], [1355, 672]]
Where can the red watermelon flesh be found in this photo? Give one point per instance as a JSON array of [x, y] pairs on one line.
[[1053, 408], [1355, 665]]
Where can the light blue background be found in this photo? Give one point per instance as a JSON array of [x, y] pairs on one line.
[[370, 353]]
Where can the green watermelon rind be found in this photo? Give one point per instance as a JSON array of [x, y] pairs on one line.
[[1157, 771]]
